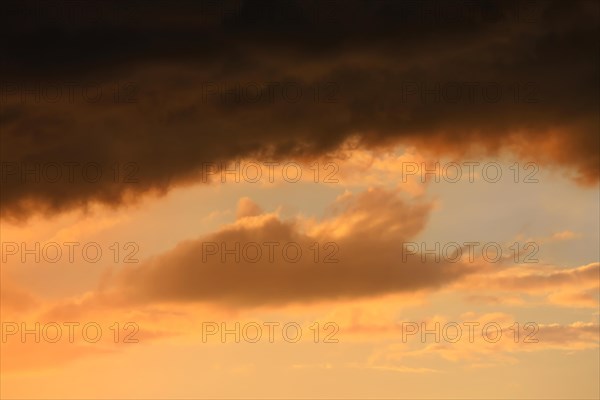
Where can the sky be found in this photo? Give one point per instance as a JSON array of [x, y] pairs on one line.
[[299, 199]]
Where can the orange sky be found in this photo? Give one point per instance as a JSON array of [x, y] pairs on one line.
[[299, 200]]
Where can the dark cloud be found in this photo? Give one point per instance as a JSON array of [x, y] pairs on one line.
[[169, 86]]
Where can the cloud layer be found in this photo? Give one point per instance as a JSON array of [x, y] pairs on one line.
[[277, 80]]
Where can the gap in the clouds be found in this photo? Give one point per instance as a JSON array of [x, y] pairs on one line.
[[556, 213]]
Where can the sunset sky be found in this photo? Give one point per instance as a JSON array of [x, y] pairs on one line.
[[300, 199]]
